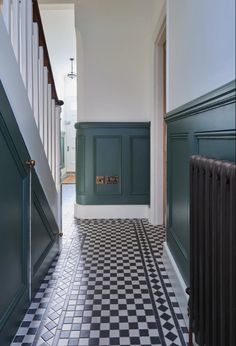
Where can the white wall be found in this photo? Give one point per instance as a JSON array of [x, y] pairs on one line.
[[113, 38], [200, 48]]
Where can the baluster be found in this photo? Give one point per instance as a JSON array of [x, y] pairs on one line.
[[53, 138], [29, 43], [45, 112], [6, 11], [41, 104], [23, 50], [35, 72], [50, 125], [16, 28]]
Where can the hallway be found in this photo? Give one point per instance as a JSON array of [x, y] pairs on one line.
[[108, 287]]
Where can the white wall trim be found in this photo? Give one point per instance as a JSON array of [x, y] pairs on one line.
[[177, 281], [156, 192], [111, 211]]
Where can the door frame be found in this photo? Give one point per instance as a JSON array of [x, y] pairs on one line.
[[157, 128], [69, 122]]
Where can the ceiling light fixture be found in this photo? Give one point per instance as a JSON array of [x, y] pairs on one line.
[[72, 74]]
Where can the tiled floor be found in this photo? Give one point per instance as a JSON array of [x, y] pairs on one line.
[[108, 287]]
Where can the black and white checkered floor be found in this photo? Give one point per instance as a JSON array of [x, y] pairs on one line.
[[108, 287]]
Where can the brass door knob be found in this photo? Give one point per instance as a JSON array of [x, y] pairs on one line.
[[30, 163]]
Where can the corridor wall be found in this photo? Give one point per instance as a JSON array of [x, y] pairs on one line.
[[207, 127]]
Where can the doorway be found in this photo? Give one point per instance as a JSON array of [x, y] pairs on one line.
[[59, 22], [69, 119]]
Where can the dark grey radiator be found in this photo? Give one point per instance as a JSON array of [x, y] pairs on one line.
[[213, 251]]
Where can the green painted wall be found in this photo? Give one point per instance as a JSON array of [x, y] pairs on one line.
[[15, 224], [205, 126], [113, 149]]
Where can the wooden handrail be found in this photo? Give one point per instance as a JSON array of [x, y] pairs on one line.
[[46, 59]]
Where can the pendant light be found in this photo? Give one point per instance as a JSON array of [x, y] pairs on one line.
[[72, 74]]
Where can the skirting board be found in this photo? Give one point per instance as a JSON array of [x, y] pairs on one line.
[[177, 282], [111, 211]]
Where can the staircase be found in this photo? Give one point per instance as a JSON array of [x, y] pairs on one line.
[[25, 30], [30, 196]]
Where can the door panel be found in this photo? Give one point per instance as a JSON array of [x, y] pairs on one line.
[[13, 230]]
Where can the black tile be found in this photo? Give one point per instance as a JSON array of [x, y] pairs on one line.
[[25, 324], [94, 341], [32, 331], [114, 341], [134, 340], [124, 333], [19, 338], [155, 340], [104, 333]]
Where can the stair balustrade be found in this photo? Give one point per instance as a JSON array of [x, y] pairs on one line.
[[24, 25]]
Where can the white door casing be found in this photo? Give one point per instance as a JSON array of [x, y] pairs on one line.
[[156, 193], [70, 142]]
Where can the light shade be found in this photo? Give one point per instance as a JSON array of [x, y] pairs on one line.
[[71, 74]]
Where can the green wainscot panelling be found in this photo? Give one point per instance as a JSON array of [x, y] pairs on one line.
[[15, 226], [205, 126], [112, 163]]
